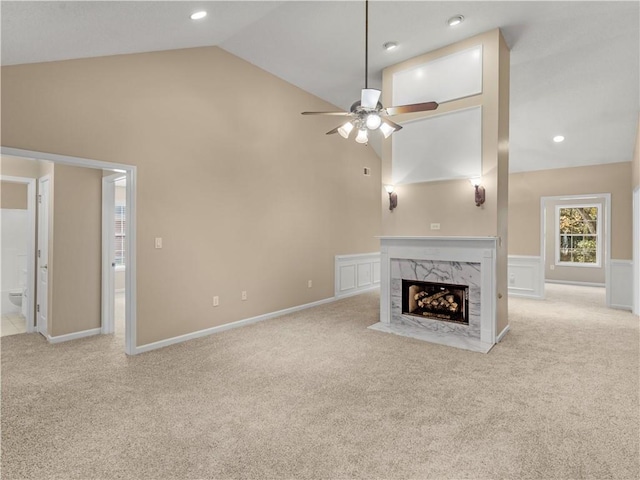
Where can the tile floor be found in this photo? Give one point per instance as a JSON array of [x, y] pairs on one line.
[[12, 324]]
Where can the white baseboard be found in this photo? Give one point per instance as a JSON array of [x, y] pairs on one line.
[[579, 284], [503, 333], [228, 326], [525, 276], [357, 273], [74, 336]]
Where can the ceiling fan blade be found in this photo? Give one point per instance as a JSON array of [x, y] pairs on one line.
[[369, 97], [331, 132], [414, 107], [327, 113]]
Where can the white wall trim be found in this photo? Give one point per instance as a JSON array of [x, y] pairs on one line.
[[31, 246], [228, 326], [636, 251], [356, 273], [130, 240], [621, 291], [525, 276], [74, 336], [501, 335], [579, 284]]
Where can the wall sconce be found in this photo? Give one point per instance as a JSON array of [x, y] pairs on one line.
[[480, 195], [393, 197]]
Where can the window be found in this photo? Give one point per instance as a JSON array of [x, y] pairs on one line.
[[578, 235], [120, 220]]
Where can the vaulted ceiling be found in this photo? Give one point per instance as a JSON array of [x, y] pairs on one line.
[[574, 65]]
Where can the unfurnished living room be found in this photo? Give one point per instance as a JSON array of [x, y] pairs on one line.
[[320, 240]]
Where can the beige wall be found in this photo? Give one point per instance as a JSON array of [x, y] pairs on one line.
[[13, 195], [526, 189], [246, 193], [75, 259], [451, 203], [635, 164]]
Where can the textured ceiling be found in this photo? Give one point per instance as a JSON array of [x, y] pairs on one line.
[[574, 65]]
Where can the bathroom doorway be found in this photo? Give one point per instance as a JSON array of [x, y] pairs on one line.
[[17, 217]]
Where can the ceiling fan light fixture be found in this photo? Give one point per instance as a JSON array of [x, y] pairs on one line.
[[345, 130], [386, 129], [389, 45], [362, 136], [455, 20], [373, 121]]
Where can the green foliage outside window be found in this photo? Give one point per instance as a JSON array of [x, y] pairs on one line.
[[579, 234]]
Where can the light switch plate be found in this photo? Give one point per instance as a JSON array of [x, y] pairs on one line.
[[158, 242]]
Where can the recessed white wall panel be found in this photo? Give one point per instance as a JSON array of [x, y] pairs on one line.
[[525, 276], [347, 277], [454, 76], [621, 284], [441, 147]]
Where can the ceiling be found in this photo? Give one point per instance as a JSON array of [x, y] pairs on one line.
[[574, 65]]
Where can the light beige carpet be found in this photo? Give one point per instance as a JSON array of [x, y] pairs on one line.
[[317, 395]]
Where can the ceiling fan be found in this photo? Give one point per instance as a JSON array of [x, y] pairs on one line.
[[368, 114]]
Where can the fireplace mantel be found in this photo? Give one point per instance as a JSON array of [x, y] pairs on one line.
[[455, 260]]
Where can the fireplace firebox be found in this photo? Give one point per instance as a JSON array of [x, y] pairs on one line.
[[439, 301]]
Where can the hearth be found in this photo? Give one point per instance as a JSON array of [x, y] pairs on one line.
[[438, 301]]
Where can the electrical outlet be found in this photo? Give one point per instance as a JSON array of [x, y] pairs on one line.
[[216, 301], [435, 226], [309, 284], [244, 295], [552, 267]]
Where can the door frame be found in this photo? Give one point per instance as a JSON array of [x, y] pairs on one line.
[[606, 252], [636, 250], [31, 245], [44, 297], [130, 230]]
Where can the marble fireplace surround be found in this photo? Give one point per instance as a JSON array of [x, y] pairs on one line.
[[457, 260]]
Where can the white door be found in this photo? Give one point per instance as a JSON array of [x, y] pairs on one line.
[[43, 254]]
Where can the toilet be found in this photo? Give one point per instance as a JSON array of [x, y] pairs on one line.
[[15, 296]]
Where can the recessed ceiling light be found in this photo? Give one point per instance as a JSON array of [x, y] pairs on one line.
[[198, 15], [558, 138], [455, 20], [390, 45]]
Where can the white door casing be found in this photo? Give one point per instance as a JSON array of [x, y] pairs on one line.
[[44, 184], [108, 251]]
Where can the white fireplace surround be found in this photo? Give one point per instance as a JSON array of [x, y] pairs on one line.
[[457, 260]]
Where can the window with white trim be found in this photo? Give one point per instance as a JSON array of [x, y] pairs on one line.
[[120, 228], [578, 239]]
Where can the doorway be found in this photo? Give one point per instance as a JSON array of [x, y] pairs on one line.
[[114, 258], [575, 239], [18, 245], [130, 173]]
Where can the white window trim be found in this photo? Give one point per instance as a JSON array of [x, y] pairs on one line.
[[598, 263]]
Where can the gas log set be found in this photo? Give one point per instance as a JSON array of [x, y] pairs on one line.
[[438, 301], [441, 301]]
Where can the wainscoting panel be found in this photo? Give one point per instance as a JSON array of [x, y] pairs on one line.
[[356, 273], [621, 287], [525, 276]]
